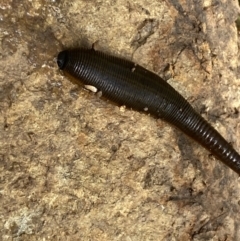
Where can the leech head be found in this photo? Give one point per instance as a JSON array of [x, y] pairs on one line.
[[62, 59]]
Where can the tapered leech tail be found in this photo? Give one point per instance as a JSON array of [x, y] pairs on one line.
[[126, 83]]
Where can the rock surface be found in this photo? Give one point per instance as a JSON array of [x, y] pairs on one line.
[[75, 167]]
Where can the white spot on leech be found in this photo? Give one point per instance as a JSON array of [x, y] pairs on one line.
[[134, 68], [99, 94], [145, 109], [95, 45], [91, 88], [122, 108]]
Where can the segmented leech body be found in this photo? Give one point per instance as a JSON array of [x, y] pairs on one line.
[[126, 83]]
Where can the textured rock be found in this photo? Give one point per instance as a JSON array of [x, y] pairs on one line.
[[76, 167]]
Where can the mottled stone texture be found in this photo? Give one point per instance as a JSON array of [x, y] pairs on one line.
[[76, 167]]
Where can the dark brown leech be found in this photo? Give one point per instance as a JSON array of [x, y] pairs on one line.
[[129, 84]]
